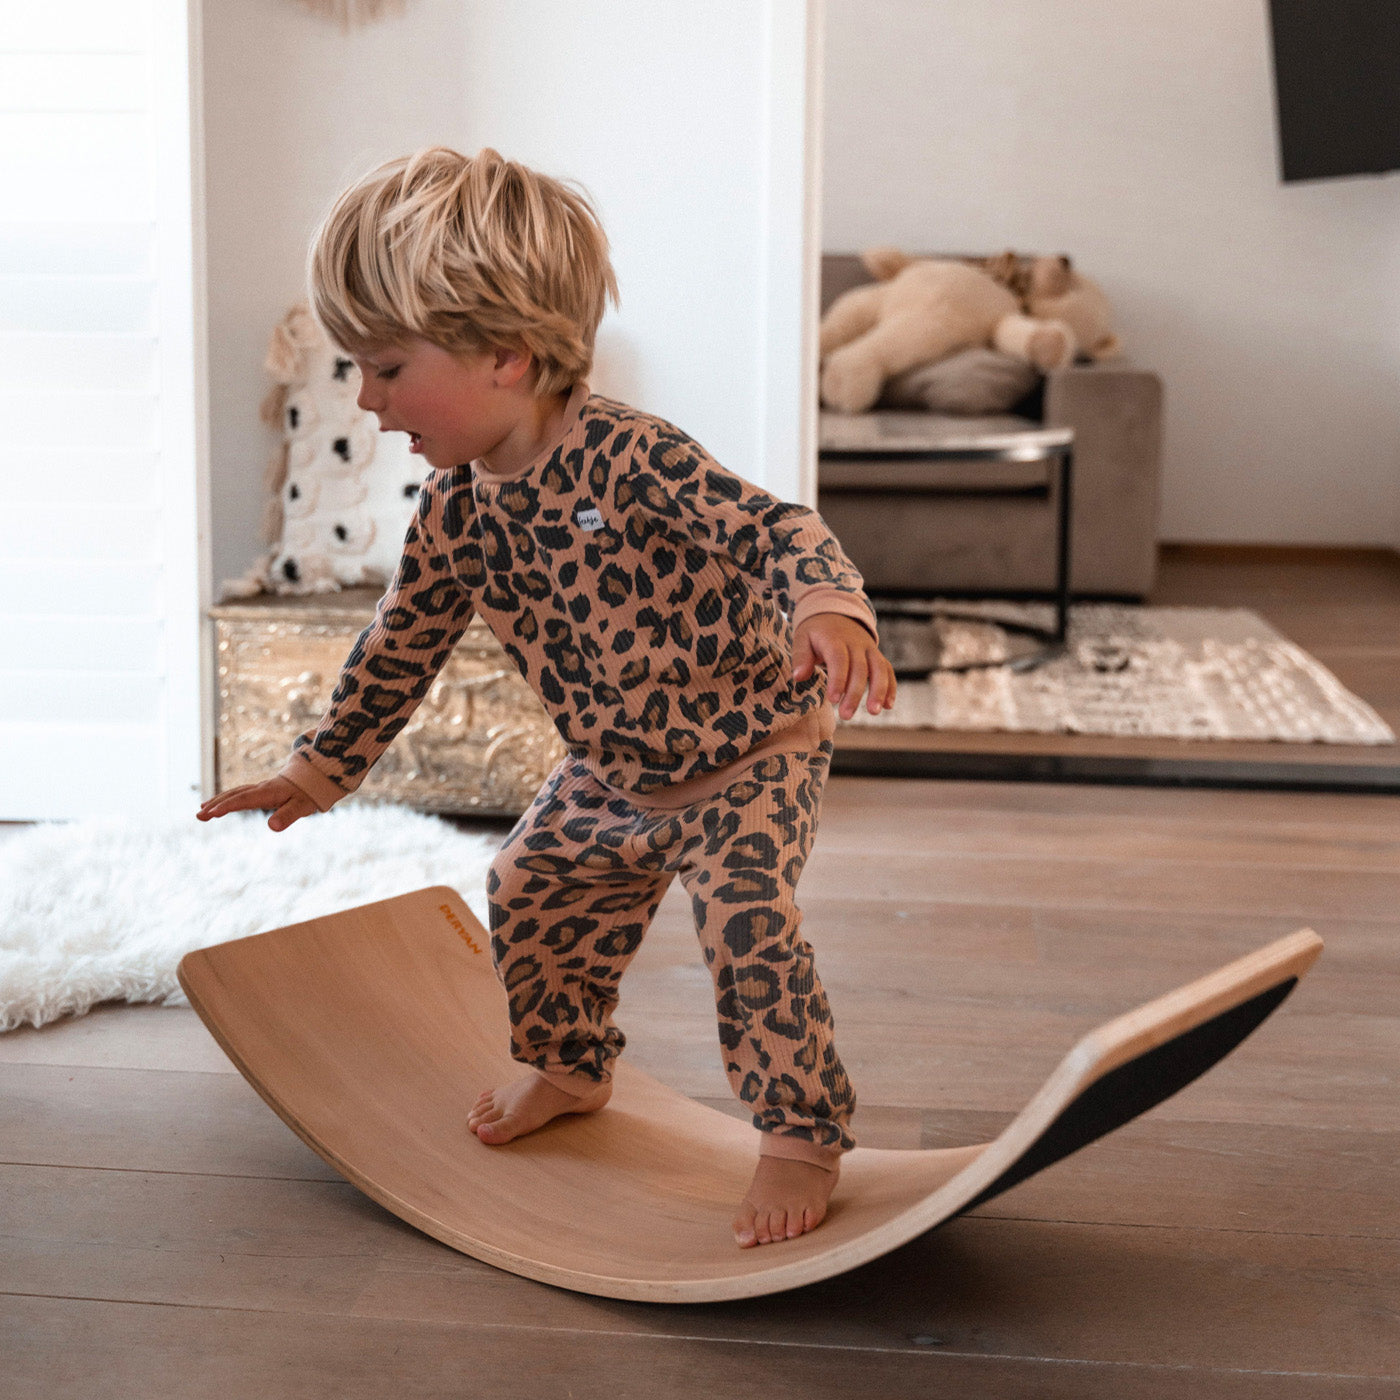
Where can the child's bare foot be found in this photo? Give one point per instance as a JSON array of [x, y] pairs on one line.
[[786, 1199], [526, 1104]]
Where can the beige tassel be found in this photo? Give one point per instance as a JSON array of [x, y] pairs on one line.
[[354, 12]]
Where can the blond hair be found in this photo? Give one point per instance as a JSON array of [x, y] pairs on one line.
[[469, 252]]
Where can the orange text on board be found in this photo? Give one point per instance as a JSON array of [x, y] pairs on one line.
[[460, 927]]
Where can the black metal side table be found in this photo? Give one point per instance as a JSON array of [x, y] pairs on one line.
[[904, 444]]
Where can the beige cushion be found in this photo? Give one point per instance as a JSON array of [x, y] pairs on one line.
[[970, 381]]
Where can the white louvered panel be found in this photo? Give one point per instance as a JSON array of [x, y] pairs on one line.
[[43, 476], [75, 532], [73, 82], [125, 590], [72, 421], [46, 305], [78, 769], [103, 472], [91, 641], [100, 248], [76, 26], [70, 164], [82, 363], [67, 697], [75, 421]]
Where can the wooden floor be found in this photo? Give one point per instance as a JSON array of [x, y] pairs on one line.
[[1341, 605], [163, 1235]]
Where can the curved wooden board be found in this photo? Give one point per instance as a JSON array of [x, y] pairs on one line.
[[371, 1032]]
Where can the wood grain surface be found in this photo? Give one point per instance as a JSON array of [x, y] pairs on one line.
[[368, 1029]]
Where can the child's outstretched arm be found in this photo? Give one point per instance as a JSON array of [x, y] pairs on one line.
[[852, 659], [786, 546], [287, 803], [391, 667]]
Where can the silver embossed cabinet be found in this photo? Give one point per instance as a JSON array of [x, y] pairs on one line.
[[479, 743]]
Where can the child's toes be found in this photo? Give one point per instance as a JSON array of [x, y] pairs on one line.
[[492, 1124], [745, 1235], [485, 1111]]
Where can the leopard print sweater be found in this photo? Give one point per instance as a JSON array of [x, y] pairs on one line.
[[647, 595]]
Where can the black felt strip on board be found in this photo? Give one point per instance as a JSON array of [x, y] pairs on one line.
[[1142, 1083]]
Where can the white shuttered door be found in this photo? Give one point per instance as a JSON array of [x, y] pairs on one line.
[[102, 465]]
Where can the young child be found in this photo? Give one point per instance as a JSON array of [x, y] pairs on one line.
[[672, 618]]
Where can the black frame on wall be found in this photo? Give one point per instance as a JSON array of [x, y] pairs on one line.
[[1336, 86]]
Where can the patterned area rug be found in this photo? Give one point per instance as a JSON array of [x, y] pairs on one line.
[[1177, 673]]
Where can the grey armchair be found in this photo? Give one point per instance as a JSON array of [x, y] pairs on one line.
[[939, 527]]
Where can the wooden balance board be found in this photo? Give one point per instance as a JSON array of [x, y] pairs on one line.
[[371, 1033]]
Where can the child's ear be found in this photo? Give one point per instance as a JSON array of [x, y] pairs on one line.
[[513, 364]]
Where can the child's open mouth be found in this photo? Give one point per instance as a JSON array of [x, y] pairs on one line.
[[415, 442]]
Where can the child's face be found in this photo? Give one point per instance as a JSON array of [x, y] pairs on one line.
[[450, 403]]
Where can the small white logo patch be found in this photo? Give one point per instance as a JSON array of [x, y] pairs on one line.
[[590, 519]]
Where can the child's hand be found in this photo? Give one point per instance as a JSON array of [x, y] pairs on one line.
[[286, 802], [852, 660]]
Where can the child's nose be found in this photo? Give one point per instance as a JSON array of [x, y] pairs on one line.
[[368, 399]]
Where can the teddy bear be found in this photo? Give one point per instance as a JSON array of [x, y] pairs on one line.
[[1056, 292], [1051, 288], [339, 494], [921, 310]]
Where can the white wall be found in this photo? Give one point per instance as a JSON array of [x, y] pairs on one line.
[[660, 108], [294, 108], [1140, 137]]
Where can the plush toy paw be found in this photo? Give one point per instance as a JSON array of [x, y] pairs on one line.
[[851, 381], [1050, 346], [1045, 344]]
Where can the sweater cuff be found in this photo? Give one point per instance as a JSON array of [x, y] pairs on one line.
[[836, 600], [308, 779], [794, 1149]]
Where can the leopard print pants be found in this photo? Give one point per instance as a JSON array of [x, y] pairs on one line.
[[575, 887]]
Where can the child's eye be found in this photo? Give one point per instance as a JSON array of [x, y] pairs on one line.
[[390, 372]]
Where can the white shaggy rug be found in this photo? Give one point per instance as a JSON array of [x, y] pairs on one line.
[[104, 910]]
